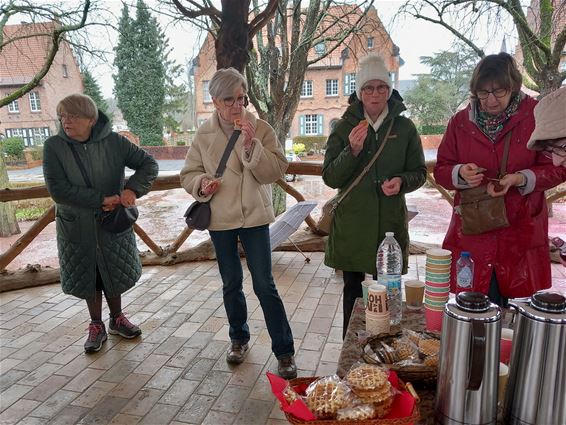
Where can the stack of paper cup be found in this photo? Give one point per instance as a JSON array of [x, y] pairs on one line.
[[377, 310], [437, 286]]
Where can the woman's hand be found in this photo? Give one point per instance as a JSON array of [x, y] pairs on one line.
[[248, 130], [128, 198], [209, 186], [392, 187], [472, 174], [501, 187], [110, 202], [357, 137]]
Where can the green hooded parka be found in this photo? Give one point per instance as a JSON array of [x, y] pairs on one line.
[[363, 217], [82, 244]]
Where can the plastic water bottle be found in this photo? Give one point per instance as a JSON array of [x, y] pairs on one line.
[[464, 272], [389, 267]]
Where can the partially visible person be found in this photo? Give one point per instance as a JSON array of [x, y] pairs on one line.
[[550, 136], [377, 204], [241, 209], [94, 261], [512, 261], [550, 127]]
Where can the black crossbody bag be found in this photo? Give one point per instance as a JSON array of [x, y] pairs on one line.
[[120, 218], [197, 215]]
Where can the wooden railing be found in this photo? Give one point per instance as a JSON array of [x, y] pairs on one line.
[[172, 182]]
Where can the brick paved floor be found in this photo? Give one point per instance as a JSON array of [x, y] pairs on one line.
[[176, 372]]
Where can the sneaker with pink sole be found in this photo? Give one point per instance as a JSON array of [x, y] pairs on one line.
[[123, 327]]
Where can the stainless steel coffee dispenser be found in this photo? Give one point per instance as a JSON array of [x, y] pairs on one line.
[[536, 392], [466, 390]]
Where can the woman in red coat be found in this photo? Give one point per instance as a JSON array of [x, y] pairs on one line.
[[512, 261]]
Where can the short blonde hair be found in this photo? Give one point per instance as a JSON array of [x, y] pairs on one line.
[[225, 81], [78, 104]]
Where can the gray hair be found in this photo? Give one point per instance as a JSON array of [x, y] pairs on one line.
[[225, 81], [78, 104]]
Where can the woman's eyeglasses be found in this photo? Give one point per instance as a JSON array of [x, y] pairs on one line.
[[559, 150], [68, 117], [242, 100], [382, 88], [498, 93]]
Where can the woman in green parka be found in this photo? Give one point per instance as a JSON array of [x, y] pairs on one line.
[[377, 204], [93, 260]]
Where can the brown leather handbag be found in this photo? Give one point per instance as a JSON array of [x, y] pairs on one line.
[[324, 224], [480, 212]]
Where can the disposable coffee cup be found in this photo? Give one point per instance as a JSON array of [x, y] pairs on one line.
[[414, 291], [377, 299], [502, 384], [506, 345], [365, 286]]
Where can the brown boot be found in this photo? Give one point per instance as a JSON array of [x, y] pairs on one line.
[[286, 367], [237, 353]]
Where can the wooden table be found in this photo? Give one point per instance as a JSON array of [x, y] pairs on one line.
[[353, 345]]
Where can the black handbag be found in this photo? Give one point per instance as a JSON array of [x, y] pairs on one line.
[[120, 218], [198, 214]]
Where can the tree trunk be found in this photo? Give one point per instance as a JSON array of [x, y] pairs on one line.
[[233, 44], [8, 223]]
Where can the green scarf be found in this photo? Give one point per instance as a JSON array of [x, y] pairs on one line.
[[491, 125]]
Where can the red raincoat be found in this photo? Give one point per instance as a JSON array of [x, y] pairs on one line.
[[519, 254]]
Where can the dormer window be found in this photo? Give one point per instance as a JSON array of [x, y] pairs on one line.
[[65, 71]]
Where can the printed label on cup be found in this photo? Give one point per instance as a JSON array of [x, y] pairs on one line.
[[377, 300]]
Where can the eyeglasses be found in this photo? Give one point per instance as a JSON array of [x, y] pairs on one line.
[[68, 117], [242, 100], [498, 93], [556, 149], [382, 88]]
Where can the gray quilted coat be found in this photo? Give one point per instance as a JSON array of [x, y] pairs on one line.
[[82, 244]]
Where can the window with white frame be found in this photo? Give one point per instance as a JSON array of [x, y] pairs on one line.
[[306, 90], [206, 98], [370, 42], [34, 103], [14, 106], [331, 87], [31, 136], [311, 125], [320, 48], [40, 134], [349, 84]]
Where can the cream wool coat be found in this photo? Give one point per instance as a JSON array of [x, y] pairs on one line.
[[243, 198]]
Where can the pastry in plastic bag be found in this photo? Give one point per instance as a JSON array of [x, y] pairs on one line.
[[326, 396], [290, 395], [357, 413]]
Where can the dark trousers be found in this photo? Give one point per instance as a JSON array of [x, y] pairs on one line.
[[352, 290], [494, 294], [255, 241]]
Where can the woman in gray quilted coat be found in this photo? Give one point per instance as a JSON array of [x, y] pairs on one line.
[[93, 260]]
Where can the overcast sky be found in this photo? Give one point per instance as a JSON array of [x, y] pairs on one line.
[[415, 38]]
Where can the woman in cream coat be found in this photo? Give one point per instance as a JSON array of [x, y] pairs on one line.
[[241, 208]]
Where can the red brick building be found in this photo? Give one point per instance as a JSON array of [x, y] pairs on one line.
[[33, 116], [327, 83]]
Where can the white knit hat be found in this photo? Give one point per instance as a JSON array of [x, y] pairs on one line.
[[550, 118], [372, 67]]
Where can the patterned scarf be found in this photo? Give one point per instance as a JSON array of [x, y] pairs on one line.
[[491, 125]]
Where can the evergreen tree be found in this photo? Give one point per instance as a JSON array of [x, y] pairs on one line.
[[92, 89], [140, 80]]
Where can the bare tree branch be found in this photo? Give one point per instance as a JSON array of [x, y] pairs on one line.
[[210, 11], [261, 19], [56, 38]]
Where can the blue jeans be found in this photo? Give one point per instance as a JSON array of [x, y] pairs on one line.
[[255, 241]]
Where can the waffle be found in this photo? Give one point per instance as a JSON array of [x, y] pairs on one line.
[[429, 347], [325, 397], [383, 408], [290, 395], [431, 361], [376, 395], [356, 413], [366, 377], [404, 351]]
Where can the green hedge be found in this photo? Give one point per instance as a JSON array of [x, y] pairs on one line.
[[431, 129], [13, 147], [312, 143]]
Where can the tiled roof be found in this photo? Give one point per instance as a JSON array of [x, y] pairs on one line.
[[24, 57]]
